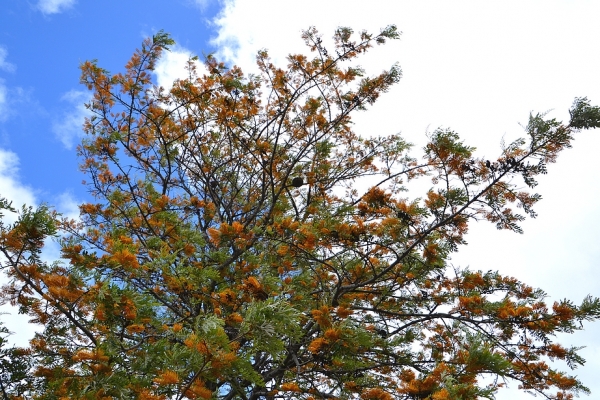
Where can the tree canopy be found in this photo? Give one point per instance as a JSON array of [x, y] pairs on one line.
[[230, 252]]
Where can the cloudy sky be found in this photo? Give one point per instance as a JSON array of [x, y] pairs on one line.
[[477, 67]]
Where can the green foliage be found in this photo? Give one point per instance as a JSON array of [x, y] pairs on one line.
[[584, 115], [268, 322], [15, 368]]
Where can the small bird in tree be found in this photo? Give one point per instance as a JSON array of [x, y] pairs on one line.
[[297, 182]]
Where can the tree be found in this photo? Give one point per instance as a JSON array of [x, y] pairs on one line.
[[230, 253], [15, 365]]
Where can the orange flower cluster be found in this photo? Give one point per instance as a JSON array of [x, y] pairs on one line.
[[167, 377]]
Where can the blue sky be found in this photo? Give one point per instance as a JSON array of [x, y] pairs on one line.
[[476, 67], [43, 45]]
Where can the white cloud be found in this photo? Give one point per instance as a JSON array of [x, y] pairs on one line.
[[20, 194], [480, 65], [246, 27], [18, 324], [15, 99], [5, 65], [172, 65], [54, 6], [69, 128], [14, 190], [478, 68], [68, 206]]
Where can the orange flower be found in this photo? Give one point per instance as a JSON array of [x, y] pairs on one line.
[[563, 311], [204, 393], [235, 318], [125, 239], [227, 296], [214, 236], [135, 328], [145, 394], [283, 250], [343, 312], [199, 390], [129, 309], [321, 316], [167, 377], [83, 355], [253, 283], [202, 348], [441, 395], [162, 201], [315, 346], [88, 355], [332, 334], [222, 360], [125, 259], [290, 387], [189, 249], [376, 394], [189, 341], [237, 227], [56, 280]]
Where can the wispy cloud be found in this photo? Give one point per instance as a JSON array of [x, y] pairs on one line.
[[69, 128], [54, 6], [16, 101], [5, 65], [11, 98], [201, 4], [3, 103]]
